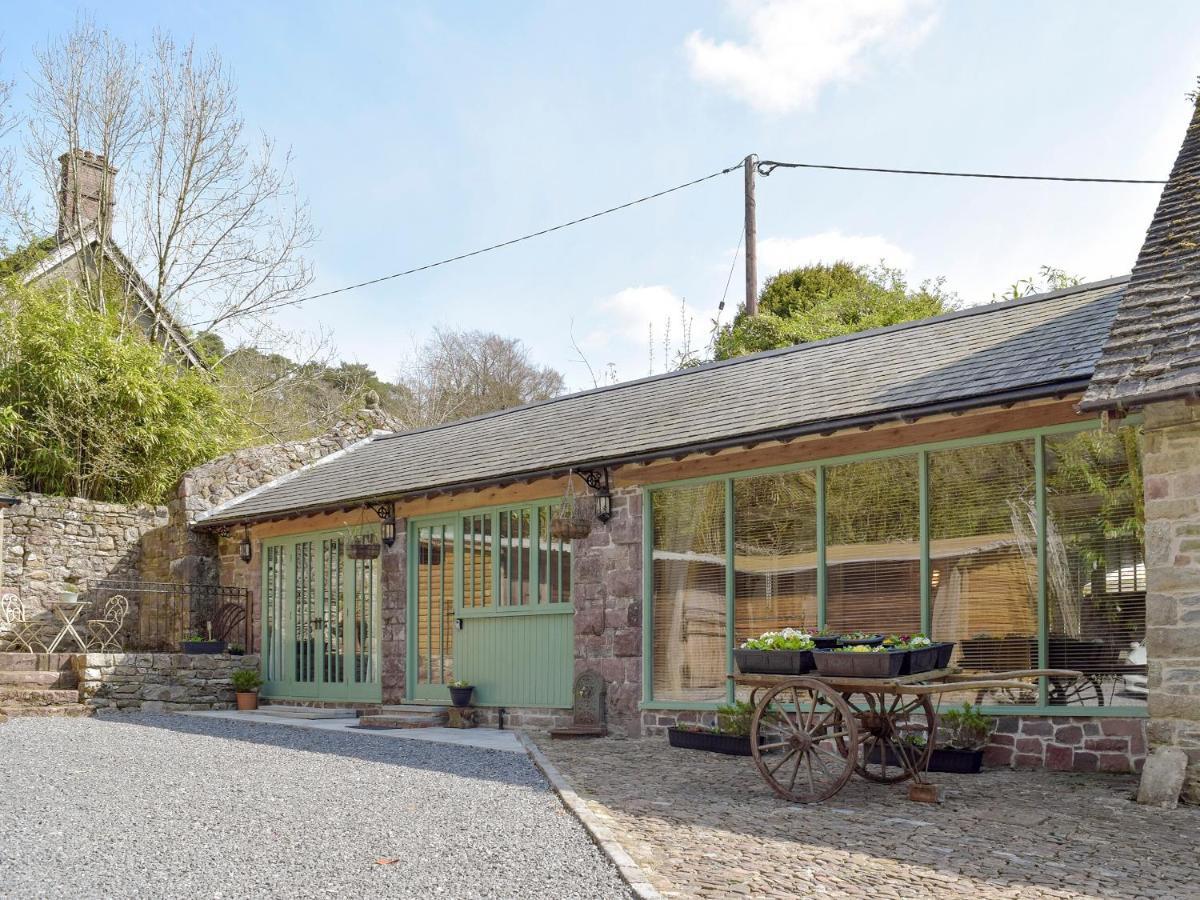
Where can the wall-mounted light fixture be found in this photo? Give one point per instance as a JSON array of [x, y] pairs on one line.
[[245, 548], [598, 481], [387, 522]]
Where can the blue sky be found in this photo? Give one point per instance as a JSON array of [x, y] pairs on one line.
[[421, 130]]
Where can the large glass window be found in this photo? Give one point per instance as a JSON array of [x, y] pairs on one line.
[[1095, 571], [969, 563], [872, 546], [983, 552], [689, 656], [774, 553]]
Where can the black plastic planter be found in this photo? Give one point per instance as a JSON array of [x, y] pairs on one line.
[[870, 664], [729, 744], [927, 658], [773, 662], [957, 762], [873, 640], [825, 641], [203, 647], [461, 696]]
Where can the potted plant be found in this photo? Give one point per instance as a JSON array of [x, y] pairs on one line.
[[924, 655], [70, 590], [363, 546], [198, 643], [460, 693], [826, 638], [730, 735], [786, 652], [855, 638], [860, 661], [236, 650], [962, 734], [246, 683]]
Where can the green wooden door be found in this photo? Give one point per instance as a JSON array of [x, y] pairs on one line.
[[492, 604], [320, 621]]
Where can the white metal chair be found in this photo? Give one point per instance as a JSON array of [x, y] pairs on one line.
[[20, 627], [106, 631]]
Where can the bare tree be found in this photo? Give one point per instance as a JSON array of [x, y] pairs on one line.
[[213, 221], [458, 374]]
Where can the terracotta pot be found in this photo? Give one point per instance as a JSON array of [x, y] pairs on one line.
[[247, 701]]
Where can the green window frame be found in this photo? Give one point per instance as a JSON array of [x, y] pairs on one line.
[[921, 451]]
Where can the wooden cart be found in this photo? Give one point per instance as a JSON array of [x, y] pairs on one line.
[[810, 733]]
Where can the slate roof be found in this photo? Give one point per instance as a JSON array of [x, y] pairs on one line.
[[983, 355], [1153, 350]]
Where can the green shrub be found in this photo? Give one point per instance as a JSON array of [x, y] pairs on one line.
[[245, 680]]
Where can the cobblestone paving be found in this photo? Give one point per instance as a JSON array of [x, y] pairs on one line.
[[705, 825]]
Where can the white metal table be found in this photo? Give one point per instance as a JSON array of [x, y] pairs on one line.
[[67, 612]]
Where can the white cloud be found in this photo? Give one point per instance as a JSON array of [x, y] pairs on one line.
[[776, 254], [794, 48], [633, 311]]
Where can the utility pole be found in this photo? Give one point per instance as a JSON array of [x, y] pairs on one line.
[[751, 240]]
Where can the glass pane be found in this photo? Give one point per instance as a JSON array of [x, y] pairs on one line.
[[435, 604], [307, 617], [873, 553], [515, 555], [276, 591], [332, 615], [365, 625], [775, 553], [477, 561], [689, 635], [554, 562], [1096, 573], [983, 560]]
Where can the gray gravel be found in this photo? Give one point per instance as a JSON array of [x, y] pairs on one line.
[[173, 806]]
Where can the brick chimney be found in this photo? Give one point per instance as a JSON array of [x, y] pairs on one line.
[[87, 180]]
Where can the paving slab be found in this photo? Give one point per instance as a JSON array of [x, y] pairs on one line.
[[483, 738]]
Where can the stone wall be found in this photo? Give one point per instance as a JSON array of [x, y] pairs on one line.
[[158, 682], [607, 593], [1171, 465], [48, 539], [1068, 743], [1059, 743], [393, 585]]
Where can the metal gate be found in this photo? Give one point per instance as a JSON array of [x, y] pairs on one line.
[[320, 620]]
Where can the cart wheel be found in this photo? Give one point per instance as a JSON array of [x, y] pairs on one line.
[[887, 725], [794, 736], [1083, 691]]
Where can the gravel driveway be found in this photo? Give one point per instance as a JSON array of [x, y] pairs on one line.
[[171, 806]]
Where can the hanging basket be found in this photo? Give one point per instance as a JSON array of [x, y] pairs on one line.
[[571, 520], [363, 547]]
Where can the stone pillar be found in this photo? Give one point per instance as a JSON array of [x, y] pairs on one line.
[[1171, 462], [607, 592], [394, 612]]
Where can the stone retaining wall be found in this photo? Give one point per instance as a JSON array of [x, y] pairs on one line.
[[48, 539], [158, 682]]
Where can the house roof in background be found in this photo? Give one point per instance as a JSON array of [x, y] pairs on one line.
[[1153, 350], [1037, 346]]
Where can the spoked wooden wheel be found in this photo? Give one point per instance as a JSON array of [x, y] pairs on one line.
[[794, 736], [895, 734]]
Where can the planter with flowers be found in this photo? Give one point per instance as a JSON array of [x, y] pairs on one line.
[[786, 652], [924, 655], [860, 661], [730, 735], [860, 638]]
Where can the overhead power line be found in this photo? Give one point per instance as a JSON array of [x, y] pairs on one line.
[[508, 243], [764, 167], [767, 166]]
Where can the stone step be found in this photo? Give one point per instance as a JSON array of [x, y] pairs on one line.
[[306, 712], [16, 696], [37, 679], [63, 711], [35, 662], [408, 716]]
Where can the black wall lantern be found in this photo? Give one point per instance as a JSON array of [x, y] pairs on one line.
[[245, 548], [387, 522], [597, 480]]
